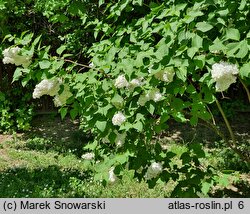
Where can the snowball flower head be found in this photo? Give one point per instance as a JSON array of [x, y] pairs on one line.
[[135, 83], [224, 75], [88, 156], [46, 87], [165, 75], [61, 99], [155, 95], [11, 56], [118, 119], [112, 176], [121, 82], [153, 170]]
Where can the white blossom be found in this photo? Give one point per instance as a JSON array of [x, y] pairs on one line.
[[155, 95], [88, 156], [118, 119], [121, 82], [165, 75], [112, 176], [135, 83], [224, 75], [46, 87], [11, 56], [61, 99], [153, 170]]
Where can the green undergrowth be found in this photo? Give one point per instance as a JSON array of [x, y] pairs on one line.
[[41, 167], [42, 171]]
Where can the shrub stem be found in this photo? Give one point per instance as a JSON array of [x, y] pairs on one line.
[[226, 121], [246, 89]]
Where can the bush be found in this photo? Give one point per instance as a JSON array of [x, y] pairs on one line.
[[129, 69]]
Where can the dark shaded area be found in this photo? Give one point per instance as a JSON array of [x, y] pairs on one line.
[[50, 133], [242, 187], [43, 182]]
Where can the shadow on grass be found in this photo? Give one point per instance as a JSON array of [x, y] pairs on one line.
[[43, 182], [243, 191], [78, 139], [50, 133]]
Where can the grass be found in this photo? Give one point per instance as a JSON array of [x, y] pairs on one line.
[[43, 171], [48, 164]]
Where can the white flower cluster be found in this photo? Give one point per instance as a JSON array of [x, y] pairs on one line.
[[153, 170], [154, 95], [46, 87], [135, 83], [224, 75], [88, 156], [112, 176], [118, 119], [60, 99], [165, 75], [51, 87], [121, 82], [120, 139], [11, 56]]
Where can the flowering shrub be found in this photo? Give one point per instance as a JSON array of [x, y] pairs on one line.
[[151, 62]]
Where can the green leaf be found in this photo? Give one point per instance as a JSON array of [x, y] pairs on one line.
[[243, 50], [151, 108], [192, 51], [44, 64], [91, 146], [203, 26], [197, 41], [63, 112], [193, 120], [179, 117], [164, 117], [101, 2], [17, 74], [181, 73], [245, 70], [61, 49], [233, 34], [101, 125], [217, 46], [73, 113], [199, 61], [138, 126], [36, 40], [206, 187], [138, 2], [198, 150], [248, 35], [117, 101]]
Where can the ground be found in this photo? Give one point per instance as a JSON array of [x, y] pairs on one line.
[[51, 154]]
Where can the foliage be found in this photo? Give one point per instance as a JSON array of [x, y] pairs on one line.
[[14, 115], [150, 62]]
